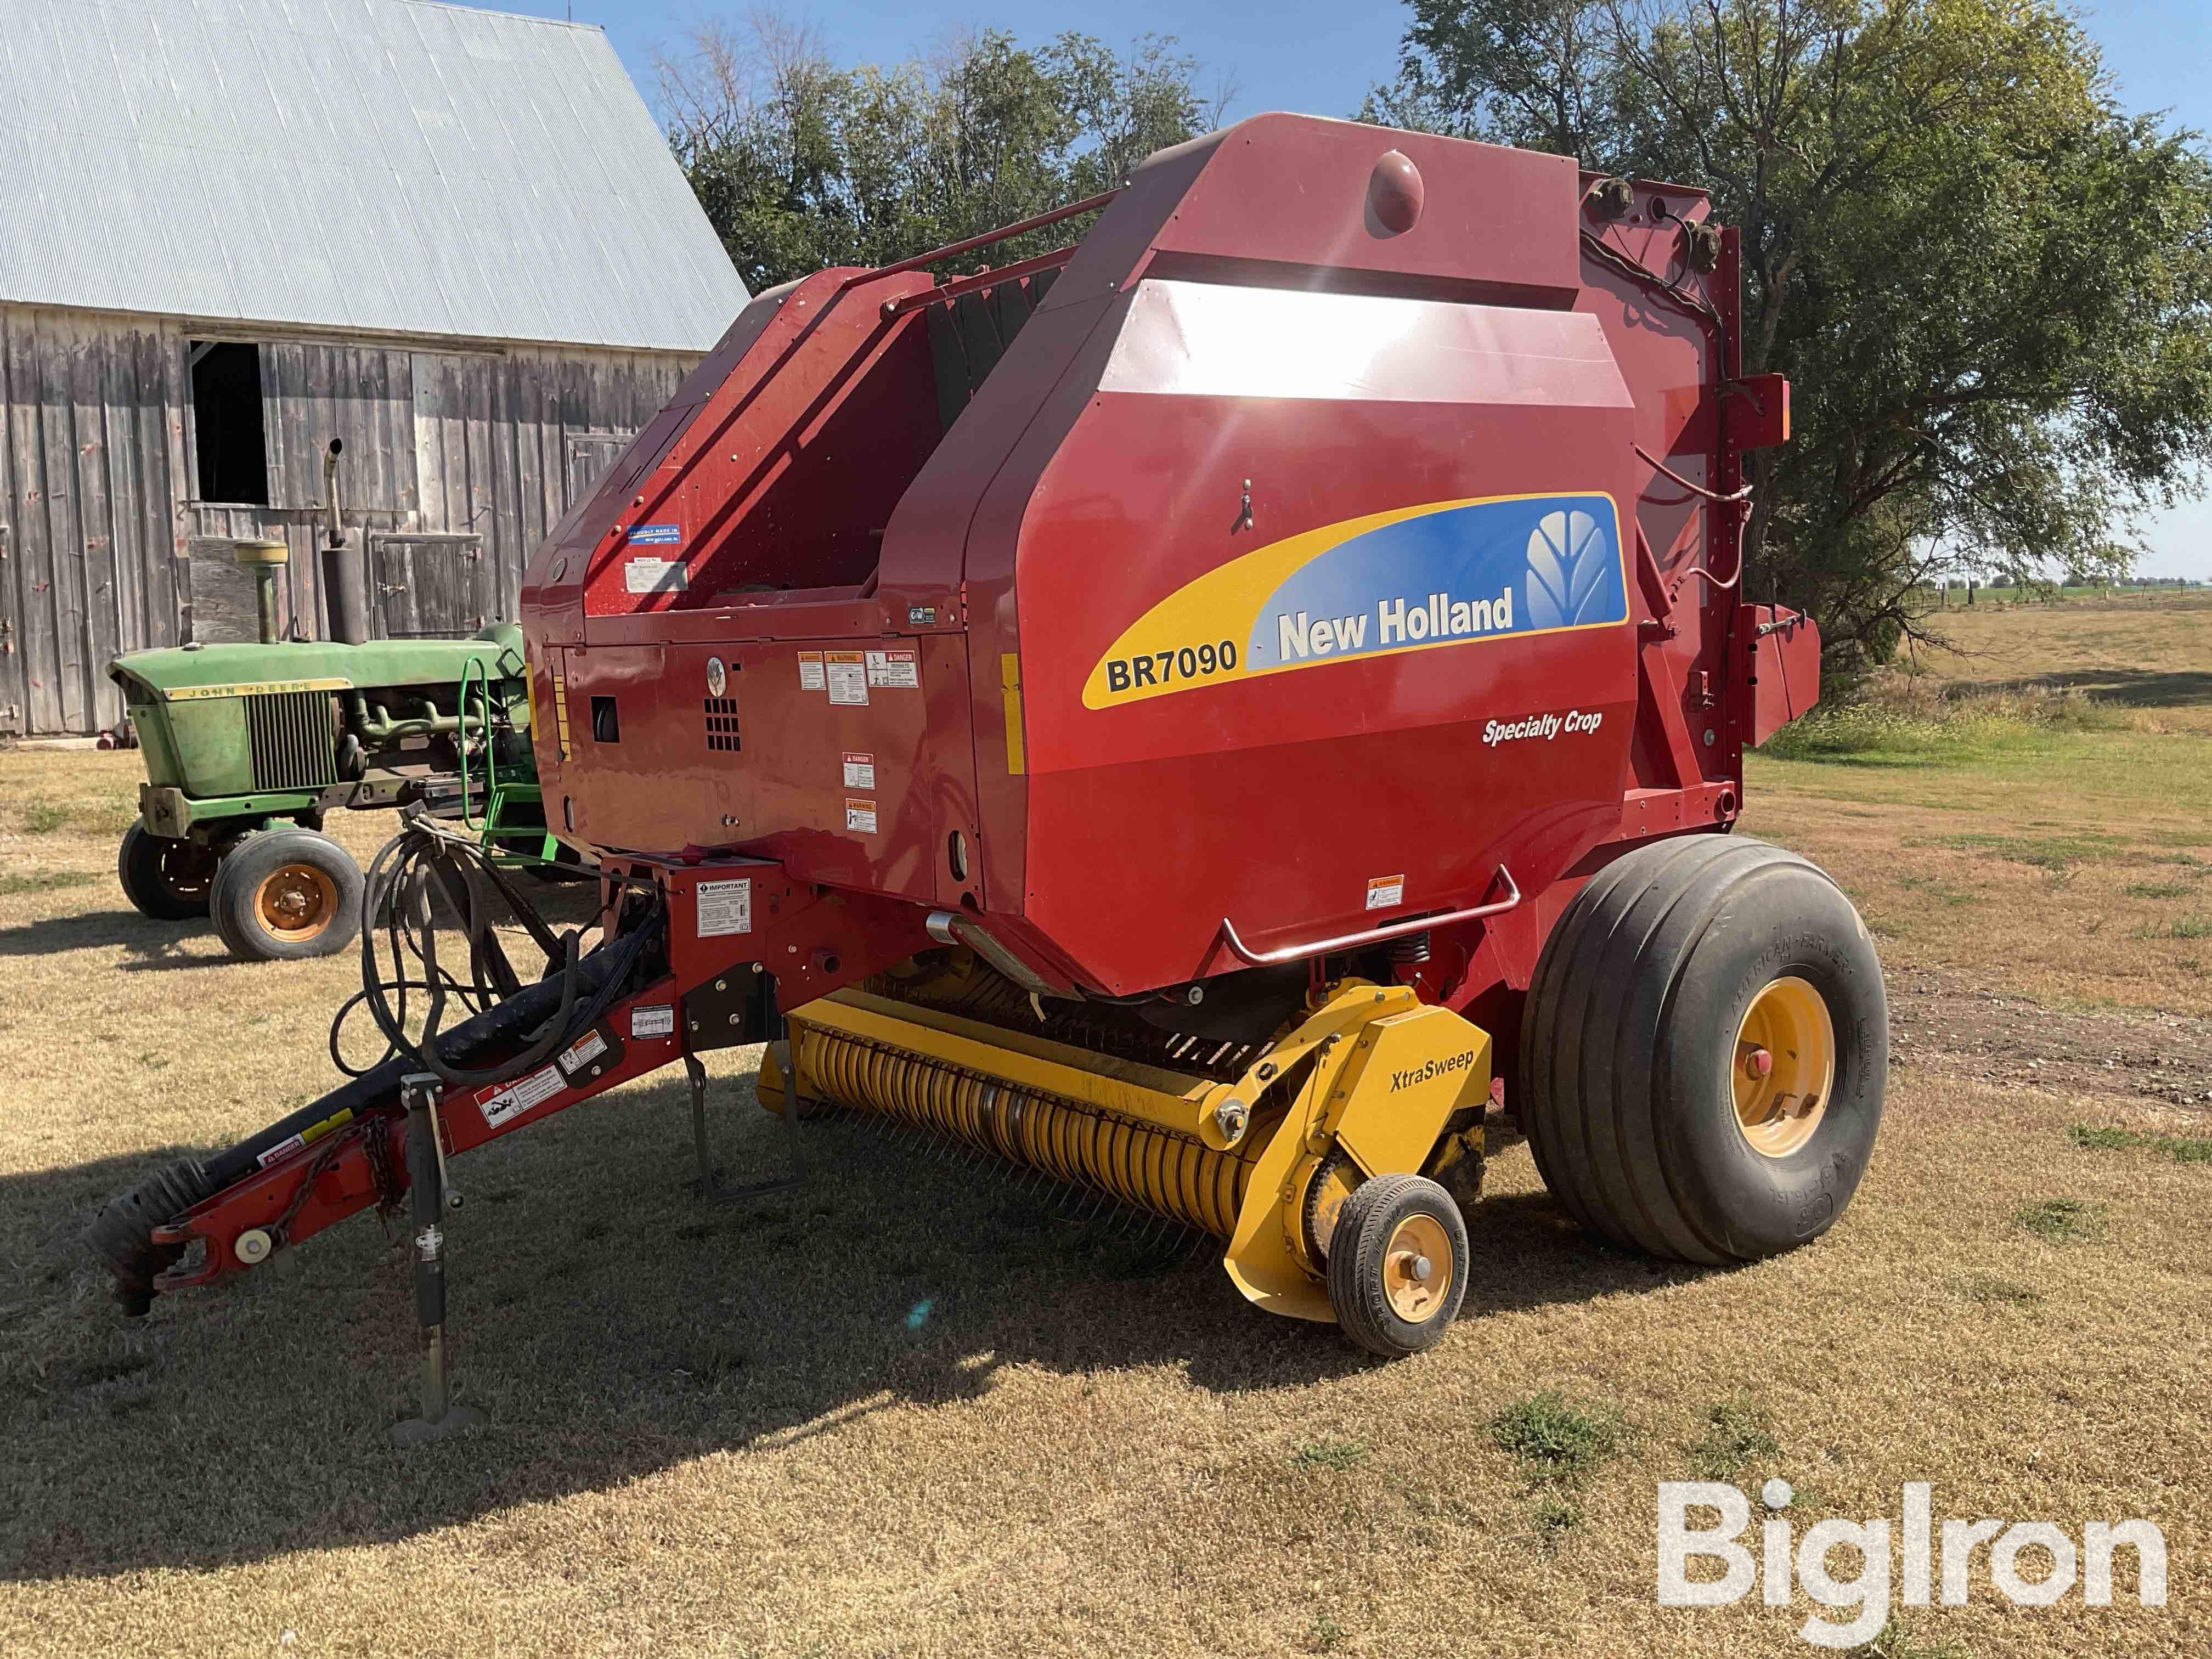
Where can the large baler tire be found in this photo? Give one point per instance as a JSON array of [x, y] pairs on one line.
[[166, 880], [1635, 1033], [287, 895]]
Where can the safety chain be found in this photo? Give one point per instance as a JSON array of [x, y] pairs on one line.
[[376, 1146]]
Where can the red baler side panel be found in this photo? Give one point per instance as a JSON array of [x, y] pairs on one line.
[[1277, 793], [1249, 417]]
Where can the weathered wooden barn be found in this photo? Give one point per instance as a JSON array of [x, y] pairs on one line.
[[232, 230]]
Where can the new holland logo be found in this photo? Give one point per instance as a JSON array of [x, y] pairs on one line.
[[1413, 579]]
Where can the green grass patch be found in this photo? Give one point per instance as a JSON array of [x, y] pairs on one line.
[[1553, 1440], [2182, 1149], [1735, 1433], [2056, 853], [1990, 1292], [2158, 889], [1329, 1454], [47, 881], [2189, 926], [2061, 1220], [1896, 1641], [43, 817]]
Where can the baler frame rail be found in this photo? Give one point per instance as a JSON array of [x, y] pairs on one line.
[[984, 238]]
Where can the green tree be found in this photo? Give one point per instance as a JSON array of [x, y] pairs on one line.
[[800, 163], [1991, 288]]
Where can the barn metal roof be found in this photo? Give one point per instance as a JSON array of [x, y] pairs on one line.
[[373, 166]]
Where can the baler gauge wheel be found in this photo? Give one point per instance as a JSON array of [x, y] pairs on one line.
[[1784, 1066], [1417, 1268], [1397, 1265]]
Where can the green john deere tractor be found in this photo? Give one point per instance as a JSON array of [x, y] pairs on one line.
[[248, 746]]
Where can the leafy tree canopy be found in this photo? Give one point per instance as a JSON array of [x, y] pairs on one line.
[[1991, 287], [802, 164]]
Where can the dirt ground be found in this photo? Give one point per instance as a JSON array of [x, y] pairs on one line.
[[908, 1410]]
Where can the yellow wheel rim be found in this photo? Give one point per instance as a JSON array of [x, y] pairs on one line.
[[296, 901], [1784, 1066], [1417, 1268]]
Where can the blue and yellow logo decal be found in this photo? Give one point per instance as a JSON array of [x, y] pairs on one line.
[[1413, 578]]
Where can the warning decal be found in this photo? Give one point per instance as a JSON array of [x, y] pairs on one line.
[[895, 670], [499, 1104], [810, 670], [848, 678], [1384, 892], [861, 817], [582, 1052]]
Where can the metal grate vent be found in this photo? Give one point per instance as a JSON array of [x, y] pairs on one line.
[[722, 723], [293, 736]]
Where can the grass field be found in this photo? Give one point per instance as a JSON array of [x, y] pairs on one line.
[[908, 1410]]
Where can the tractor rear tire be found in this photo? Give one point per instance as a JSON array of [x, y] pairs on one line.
[[1397, 1265], [164, 878], [1705, 1051], [287, 895]]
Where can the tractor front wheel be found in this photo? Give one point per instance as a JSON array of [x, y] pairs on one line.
[[164, 878], [285, 894], [1704, 1050]]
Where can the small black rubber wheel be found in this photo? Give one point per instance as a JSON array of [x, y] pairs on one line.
[[164, 878], [286, 895], [1397, 1265], [1705, 1051]]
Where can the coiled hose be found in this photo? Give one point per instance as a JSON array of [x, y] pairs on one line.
[[397, 903]]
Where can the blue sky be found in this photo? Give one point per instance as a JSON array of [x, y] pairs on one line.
[[1320, 56]]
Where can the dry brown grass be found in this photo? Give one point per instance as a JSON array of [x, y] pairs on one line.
[[2150, 655], [907, 1412]]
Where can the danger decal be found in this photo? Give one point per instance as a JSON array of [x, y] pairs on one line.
[[1413, 579]]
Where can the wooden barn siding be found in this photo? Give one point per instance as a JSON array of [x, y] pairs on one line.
[[91, 454], [494, 436], [97, 467]]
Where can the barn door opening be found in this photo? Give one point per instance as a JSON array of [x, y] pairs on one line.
[[590, 454], [429, 585]]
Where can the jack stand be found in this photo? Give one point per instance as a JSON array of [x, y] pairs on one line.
[[709, 1185], [426, 1178]]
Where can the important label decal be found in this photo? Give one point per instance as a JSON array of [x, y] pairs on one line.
[[1413, 578], [499, 1104], [652, 1019], [655, 535], [848, 678], [725, 906], [859, 771]]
